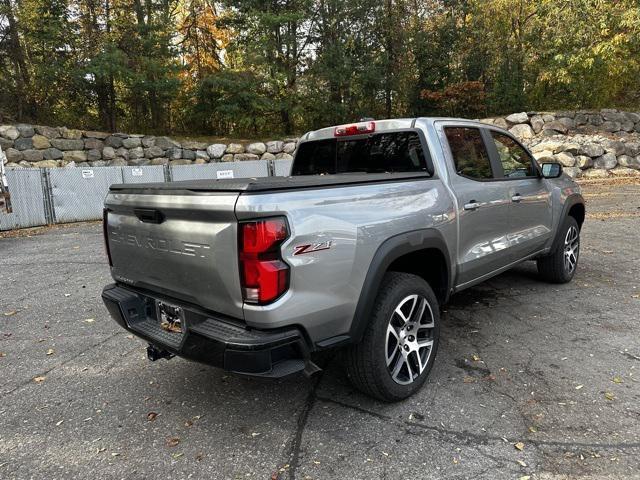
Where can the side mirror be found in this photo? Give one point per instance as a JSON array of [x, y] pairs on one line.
[[551, 170]]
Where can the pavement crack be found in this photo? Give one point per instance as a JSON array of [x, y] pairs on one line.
[[481, 438], [296, 441], [631, 356]]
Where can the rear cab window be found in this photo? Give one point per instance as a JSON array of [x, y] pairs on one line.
[[376, 153]]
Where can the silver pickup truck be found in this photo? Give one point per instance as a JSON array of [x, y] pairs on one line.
[[378, 224]]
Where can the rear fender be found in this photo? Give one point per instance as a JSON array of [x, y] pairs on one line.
[[392, 249], [572, 200]]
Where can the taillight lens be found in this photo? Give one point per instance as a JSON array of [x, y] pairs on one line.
[[105, 234], [263, 274]]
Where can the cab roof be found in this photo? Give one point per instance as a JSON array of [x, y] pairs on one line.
[[391, 124]]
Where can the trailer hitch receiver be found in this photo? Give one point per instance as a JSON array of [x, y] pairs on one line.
[[154, 353]]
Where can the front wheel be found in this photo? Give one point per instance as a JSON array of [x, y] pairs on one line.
[[400, 343], [560, 266]]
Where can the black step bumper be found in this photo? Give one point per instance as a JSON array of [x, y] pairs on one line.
[[209, 338]]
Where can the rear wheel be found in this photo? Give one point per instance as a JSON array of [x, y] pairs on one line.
[[560, 266], [399, 346]]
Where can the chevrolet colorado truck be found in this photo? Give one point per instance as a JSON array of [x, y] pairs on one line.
[[378, 224]]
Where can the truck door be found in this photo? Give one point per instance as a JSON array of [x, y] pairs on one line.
[[530, 212], [483, 204]]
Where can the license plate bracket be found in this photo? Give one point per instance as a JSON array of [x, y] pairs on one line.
[[170, 317]]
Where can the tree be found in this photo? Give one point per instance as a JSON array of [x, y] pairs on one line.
[[270, 66], [12, 48], [274, 38]]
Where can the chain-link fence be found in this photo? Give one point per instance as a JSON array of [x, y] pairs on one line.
[[282, 168], [251, 168], [27, 199], [60, 195]]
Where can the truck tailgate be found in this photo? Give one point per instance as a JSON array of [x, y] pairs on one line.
[[180, 245]]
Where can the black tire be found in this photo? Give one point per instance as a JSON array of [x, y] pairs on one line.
[[366, 362], [553, 268]]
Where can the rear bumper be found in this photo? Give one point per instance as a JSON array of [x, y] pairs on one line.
[[208, 338]]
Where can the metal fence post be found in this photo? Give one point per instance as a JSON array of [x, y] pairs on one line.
[[47, 197], [272, 168], [167, 173]]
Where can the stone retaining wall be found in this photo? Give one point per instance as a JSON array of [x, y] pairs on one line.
[[593, 144], [41, 146], [590, 143]]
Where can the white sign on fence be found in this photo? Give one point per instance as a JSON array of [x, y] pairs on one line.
[[224, 174], [61, 195]]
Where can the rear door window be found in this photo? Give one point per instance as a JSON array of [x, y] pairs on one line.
[[469, 152], [378, 153]]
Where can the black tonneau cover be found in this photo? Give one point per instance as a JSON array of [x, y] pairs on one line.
[[265, 184]]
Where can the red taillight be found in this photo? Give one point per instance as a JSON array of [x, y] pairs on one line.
[[105, 233], [263, 274], [355, 129]]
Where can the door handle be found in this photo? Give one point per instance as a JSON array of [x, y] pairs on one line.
[[516, 198], [472, 205]]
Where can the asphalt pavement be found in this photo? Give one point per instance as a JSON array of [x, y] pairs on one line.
[[531, 380]]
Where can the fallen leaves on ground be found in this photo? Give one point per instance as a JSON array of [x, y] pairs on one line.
[[609, 396], [51, 351], [172, 441], [522, 464], [12, 312], [519, 446], [533, 429], [2, 354], [468, 379], [173, 327], [475, 358], [617, 380], [578, 387], [39, 379], [151, 416], [89, 320]]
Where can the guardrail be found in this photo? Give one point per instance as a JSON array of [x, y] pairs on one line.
[[44, 196]]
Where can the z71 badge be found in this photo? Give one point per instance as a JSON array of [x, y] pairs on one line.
[[312, 247]]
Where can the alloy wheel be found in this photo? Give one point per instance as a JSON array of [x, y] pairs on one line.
[[571, 249], [409, 340]]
